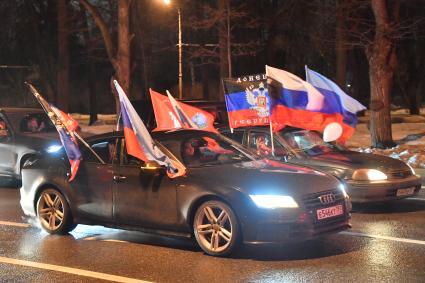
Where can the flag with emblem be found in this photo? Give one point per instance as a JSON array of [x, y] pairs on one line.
[[66, 127], [247, 101], [171, 114]]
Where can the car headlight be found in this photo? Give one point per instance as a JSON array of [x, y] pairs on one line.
[[273, 201], [368, 175], [53, 148]]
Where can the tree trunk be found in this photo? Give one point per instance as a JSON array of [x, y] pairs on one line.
[[63, 58], [341, 50], [123, 55], [121, 60], [91, 69], [222, 41], [382, 63]]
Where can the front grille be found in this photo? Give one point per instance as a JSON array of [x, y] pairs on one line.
[[398, 174], [312, 202]]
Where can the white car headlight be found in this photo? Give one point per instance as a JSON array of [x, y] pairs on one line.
[[273, 201], [53, 148], [369, 175]]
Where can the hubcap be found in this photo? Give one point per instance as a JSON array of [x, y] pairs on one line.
[[50, 210], [214, 228]]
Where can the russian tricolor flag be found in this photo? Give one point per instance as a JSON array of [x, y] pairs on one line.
[[297, 103], [139, 142], [347, 105]]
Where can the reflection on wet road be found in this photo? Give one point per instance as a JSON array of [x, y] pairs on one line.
[[386, 243]]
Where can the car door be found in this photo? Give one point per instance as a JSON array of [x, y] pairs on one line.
[[93, 183], [145, 198], [7, 152]]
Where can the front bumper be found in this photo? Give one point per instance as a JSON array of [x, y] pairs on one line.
[[280, 226], [379, 191]]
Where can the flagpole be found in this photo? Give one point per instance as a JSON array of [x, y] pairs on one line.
[[306, 73], [271, 134], [58, 121], [227, 109]]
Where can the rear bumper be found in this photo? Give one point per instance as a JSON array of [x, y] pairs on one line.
[[380, 191]]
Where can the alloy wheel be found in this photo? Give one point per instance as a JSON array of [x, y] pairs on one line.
[[215, 228]]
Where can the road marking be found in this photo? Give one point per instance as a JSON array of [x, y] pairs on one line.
[[403, 240], [16, 224], [70, 270]]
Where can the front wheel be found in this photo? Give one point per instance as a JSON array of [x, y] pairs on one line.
[[54, 213], [216, 228]]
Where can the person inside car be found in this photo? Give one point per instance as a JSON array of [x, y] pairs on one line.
[[3, 129], [262, 148]]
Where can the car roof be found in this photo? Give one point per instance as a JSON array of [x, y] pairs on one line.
[[20, 110], [160, 135], [262, 128]]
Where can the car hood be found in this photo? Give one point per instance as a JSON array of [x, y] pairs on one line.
[[352, 160], [271, 177]]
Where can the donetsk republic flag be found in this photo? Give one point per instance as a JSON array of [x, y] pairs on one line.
[[247, 101]]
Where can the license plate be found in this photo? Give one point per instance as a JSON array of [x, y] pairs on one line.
[[405, 192], [329, 212]]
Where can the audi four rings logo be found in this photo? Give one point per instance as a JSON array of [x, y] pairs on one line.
[[326, 199]]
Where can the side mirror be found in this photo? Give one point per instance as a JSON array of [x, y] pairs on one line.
[[152, 165]]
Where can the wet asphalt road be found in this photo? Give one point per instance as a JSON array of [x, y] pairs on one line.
[[386, 244]]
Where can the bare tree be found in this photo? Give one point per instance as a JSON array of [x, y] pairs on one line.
[[63, 57], [119, 56]]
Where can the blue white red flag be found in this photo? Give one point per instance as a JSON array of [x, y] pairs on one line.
[[66, 127], [139, 142], [296, 103], [334, 95], [247, 101]]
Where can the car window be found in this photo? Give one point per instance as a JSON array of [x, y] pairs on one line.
[[261, 143], [106, 149], [307, 142], [209, 150], [236, 135], [36, 122]]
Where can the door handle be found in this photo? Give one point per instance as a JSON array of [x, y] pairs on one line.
[[119, 178]]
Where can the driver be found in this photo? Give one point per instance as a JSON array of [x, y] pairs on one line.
[[262, 148]]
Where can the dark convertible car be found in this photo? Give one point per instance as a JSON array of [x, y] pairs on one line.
[[24, 132], [227, 195], [367, 177]]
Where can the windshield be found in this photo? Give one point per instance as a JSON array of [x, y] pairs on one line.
[[307, 142], [209, 149]]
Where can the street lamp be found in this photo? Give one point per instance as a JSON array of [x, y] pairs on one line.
[[168, 2]]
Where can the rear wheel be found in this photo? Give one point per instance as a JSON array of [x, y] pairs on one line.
[[216, 228], [53, 212]]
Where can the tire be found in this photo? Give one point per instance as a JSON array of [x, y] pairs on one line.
[[53, 212], [216, 228]]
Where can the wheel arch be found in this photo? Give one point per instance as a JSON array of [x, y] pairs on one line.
[[45, 186]]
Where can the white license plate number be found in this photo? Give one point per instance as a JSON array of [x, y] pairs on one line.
[[329, 212], [405, 192]]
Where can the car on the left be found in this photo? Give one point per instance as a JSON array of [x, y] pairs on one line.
[[24, 133]]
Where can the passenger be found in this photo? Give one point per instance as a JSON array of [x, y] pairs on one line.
[[32, 125], [3, 129], [262, 148], [191, 152]]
